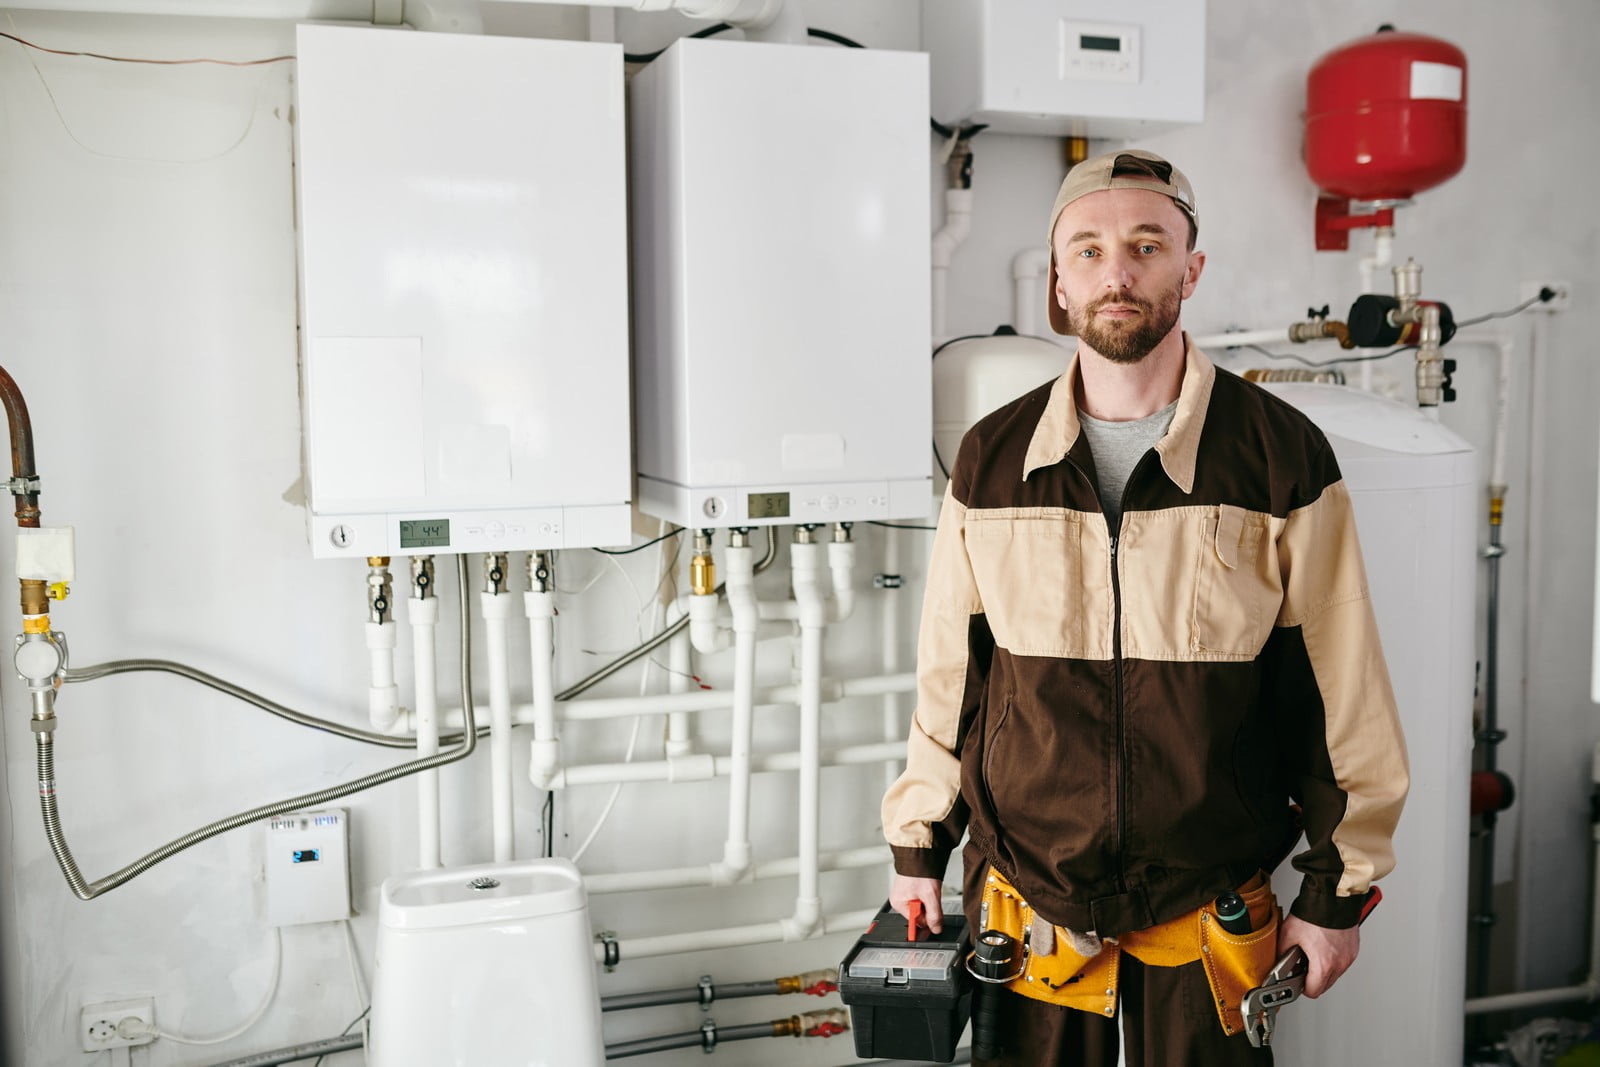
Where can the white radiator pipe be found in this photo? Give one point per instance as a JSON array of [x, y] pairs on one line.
[[423, 615], [703, 766], [496, 608], [680, 659], [383, 695], [1029, 269], [805, 560], [889, 642], [746, 621], [957, 224], [695, 877], [736, 936], [545, 758]]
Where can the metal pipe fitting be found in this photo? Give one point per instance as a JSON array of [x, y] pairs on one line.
[[24, 476], [702, 568], [380, 590], [541, 571], [1407, 287], [421, 577], [805, 534], [494, 573], [841, 532], [739, 537]]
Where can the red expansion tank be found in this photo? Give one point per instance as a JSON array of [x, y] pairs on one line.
[[1386, 116]]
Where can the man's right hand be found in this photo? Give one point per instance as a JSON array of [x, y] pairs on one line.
[[927, 890]]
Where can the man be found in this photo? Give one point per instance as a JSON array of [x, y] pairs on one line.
[[1146, 631]]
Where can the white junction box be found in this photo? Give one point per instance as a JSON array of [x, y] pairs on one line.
[[781, 284], [463, 271], [308, 867], [1067, 67]]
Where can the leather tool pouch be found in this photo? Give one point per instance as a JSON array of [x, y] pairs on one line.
[[1237, 963]]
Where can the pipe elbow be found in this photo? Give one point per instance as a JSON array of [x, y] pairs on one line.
[[1032, 262], [704, 633], [734, 867], [544, 765], [383, 706], [806, 922]]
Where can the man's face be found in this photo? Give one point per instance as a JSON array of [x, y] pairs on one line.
[[1123, 270]]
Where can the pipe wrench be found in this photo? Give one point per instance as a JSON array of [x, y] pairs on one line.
[[1284, 984]]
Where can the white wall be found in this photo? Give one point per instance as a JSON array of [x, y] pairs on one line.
[[147, 283]]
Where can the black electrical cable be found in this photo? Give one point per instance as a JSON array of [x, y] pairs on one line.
[[899, 525], [1329, 362], [639, 548], [547, 817], [836, 38], [646, 57]]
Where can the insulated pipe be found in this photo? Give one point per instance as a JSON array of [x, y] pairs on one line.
[[733, 936], [957, 224], [495, 604], [809, 595], [539, 604], [823, 1023], [707, 992], [1241, 338], [1029, 269], [422, 611], [746, 621]]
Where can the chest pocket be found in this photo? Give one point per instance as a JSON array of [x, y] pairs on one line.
[[1025, 561], [1238, 588]]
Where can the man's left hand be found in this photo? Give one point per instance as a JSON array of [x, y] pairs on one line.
[[1329, 952]]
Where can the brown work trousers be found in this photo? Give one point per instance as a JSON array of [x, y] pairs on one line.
[[1166, 1015]]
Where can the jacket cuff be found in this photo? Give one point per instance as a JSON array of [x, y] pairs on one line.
[[920, 862], [1320, 905]]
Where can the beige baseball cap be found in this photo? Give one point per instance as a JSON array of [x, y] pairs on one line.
[[1130, 168]]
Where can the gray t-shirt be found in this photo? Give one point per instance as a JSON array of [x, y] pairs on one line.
[[1117, 448]]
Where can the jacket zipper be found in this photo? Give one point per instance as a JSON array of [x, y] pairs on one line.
[[1122, 751]]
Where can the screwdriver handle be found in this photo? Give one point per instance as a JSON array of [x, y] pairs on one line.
[[913, 916]]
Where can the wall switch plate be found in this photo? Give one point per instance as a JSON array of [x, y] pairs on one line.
[[97, 1028], [308, 867]]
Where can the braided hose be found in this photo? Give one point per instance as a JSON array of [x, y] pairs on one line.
[[89, 890]]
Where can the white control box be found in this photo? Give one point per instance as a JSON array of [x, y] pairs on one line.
[[463, 271], [781, 284], [308, 867], [1067, 67]]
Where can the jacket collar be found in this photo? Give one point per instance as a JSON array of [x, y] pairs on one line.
[[1058, 429]]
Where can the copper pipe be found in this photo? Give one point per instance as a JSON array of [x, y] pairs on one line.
[[21, 447]]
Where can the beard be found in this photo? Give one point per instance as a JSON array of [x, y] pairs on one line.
[[1127, 340]]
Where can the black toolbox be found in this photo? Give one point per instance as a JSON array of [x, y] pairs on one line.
[[908, 1000]]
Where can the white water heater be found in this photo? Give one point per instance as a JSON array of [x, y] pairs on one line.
[[1414, 486], [463, 271], [781, 294]]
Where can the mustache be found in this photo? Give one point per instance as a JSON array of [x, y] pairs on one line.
[[1125, 299]]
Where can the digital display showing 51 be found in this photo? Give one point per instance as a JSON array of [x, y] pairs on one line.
[[424, 533]]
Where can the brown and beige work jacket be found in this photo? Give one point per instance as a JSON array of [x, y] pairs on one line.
[[1121, 718]]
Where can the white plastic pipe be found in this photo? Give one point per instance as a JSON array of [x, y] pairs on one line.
[[841, 565], [700, 700], [809, 595], [424, 618], [1029, 268], [545, 756], [736, 936], [1382, 258], [703, 766], [889, 645], [957, 224], [704, 632], [1502, 421], [383, 695], [294, 10], [681, 659], [496, 608], [746, 621], [1216, 342], [694, 877]]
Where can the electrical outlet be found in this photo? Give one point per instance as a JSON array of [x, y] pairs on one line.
[[1562, 301], [97, 1028]]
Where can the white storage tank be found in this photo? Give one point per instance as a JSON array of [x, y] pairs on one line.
[[1414, 485], [489, 964]]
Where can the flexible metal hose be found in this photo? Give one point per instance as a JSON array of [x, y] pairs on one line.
[[88, 891], [194, 674]]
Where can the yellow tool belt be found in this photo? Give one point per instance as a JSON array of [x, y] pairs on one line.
[[1054, 972]]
